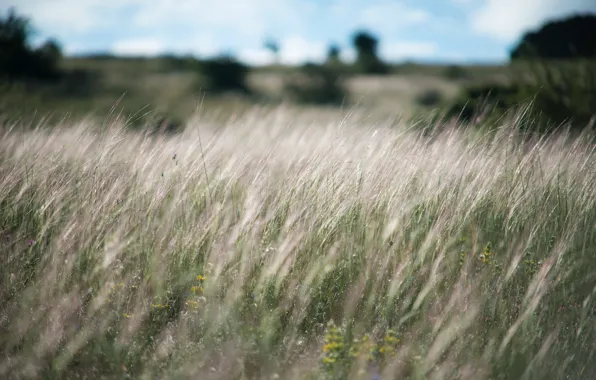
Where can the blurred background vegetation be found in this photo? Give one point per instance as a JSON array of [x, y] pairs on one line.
[[552, 67]]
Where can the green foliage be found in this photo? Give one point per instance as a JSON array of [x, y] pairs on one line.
[[371, 64], [224, 74], [341, 351], [557, 93], [477, 100], [272, 46], [17, 59], [333, 55], [561, 92], [316, 84], [365, 43], [572, 37], [367, 60], [454, 72], [429, 98]]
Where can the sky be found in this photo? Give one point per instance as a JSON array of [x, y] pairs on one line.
[[459, 31]]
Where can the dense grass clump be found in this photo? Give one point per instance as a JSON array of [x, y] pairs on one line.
[[284, 245]]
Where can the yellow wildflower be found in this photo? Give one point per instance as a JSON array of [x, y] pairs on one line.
[[197, 289]]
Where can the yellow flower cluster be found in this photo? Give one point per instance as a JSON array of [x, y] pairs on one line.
[[336, 349], [334, 346], [487, 255], [197, 291]]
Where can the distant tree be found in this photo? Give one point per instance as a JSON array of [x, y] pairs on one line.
[[48, 57], [573, 37], [333, 54], [273, 47], [366, 49], [365, 43], [14, 49], [17, 59], [454, 72], [51, 49]]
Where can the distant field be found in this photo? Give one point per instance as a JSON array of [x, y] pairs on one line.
[[290, 243], [168, 87]]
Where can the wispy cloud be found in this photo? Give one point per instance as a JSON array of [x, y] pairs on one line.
[[78, 16], [506, 20], [391, 16]]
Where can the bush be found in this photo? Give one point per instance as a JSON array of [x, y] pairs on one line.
[[479, 98], [224, 74], [561, 92], [371, 64], [558, 93], [316, 84], [429, 98], [454, 72]]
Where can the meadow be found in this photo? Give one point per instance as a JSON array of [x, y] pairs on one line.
[[286, 243], [168, 87]]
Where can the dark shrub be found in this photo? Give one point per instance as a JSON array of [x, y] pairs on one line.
[[367, 60], [369, 64], [454, 72], [484, 102], [561, 92], [224, 74], [572, 37], [429, 98], [558, 93], [316, 84]]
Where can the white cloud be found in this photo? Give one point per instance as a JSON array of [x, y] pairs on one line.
[[393, 51], [257, 57], [245, 18], [142, 46], [388, 17], [63, 16], [296, 49], [507, 20], [202, 45]]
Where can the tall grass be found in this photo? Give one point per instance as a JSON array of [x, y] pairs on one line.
[[296, 246]]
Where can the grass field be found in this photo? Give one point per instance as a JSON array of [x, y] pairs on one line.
[[285, 243], [168, 87]]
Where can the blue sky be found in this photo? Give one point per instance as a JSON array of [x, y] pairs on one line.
[[424, 30]]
